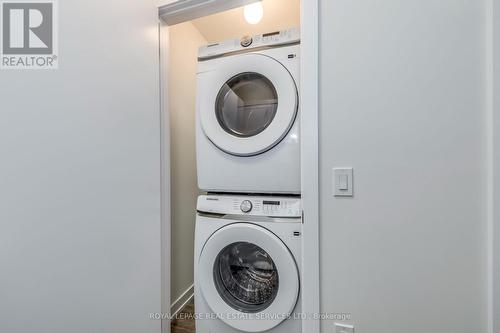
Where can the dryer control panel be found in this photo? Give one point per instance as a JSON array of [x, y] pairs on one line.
[[249, 43], [250, 205]]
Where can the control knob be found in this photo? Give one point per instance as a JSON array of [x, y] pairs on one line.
[[246, 206], [246, 41]]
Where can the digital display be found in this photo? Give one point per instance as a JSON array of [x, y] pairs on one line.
[[271, 34], [274, 203]]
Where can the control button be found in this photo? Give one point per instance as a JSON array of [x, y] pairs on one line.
[[246, 206], [343, 182], [246, 41]]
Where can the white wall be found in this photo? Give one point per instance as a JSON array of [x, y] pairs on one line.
[[403, 101], [184, 42], [80, 178], [160, 3], [278, 15]]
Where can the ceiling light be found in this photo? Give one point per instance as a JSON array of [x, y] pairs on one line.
[[253, 12]]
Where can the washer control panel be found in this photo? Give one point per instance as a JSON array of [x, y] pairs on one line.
[[247, 43], [250, 205]]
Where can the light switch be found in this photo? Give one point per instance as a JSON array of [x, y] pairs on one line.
[[342, 182], [342, 328]]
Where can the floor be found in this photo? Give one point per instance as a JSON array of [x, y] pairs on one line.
[[185, 321]]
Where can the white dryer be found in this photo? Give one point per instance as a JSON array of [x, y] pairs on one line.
[[247, 135], [247, 264]]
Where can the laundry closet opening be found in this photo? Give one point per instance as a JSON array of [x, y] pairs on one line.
[[261, 116]]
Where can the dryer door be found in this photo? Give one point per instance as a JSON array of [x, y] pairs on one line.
[[247, 104], [248, 277]]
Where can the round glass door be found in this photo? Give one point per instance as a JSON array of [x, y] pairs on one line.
[[246, 104], [246, 269], [246, 277]]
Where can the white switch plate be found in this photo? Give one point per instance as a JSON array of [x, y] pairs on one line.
[[342, 328], [343, 182]]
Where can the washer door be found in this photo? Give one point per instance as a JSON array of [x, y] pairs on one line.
[[248, 104], [248, 277]]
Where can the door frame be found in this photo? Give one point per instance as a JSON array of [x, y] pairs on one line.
[[493, 119], [309, 116], [163, 54], [309, 111]]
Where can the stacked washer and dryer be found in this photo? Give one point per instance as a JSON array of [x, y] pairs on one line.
[[249, 225]]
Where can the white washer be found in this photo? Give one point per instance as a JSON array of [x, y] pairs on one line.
[[247, 134], [247, 264]]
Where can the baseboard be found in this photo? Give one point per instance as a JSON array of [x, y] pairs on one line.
[[182, 301]]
